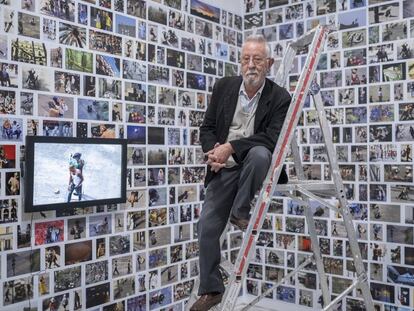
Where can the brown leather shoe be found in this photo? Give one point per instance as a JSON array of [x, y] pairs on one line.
[[206, 301], [239, 222]]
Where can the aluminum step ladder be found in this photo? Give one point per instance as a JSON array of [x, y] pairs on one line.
[[301, 191]]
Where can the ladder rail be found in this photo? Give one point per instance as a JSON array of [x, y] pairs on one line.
[[343, 204], [316, 198], [290, 54], [323, 280]]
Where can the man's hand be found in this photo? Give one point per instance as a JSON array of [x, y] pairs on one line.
[[215, 166], [218, 156], [221, 153], [207, 154], [212, 150]]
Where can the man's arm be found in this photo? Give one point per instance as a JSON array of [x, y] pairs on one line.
[[268, 138], [70, 181], [80, 176]]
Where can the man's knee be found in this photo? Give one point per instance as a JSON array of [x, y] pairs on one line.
[[259, 155]]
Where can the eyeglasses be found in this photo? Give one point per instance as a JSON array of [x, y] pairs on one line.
[[255, 59]]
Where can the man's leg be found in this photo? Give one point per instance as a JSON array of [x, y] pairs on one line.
[[213, 219], [79, 193], [70, 193], [254, 170]]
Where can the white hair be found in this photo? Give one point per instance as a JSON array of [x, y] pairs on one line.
[[259, 39]]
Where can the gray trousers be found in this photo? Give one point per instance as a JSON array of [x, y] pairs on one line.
[[229, 191]]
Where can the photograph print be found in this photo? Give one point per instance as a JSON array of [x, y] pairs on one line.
[[205, 11]]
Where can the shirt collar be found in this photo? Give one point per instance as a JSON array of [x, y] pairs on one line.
[[242, 90]]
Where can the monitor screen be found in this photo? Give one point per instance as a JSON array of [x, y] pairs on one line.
[[74, 172]]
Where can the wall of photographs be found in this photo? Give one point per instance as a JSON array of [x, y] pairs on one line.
[[135, 69], [366, 77]]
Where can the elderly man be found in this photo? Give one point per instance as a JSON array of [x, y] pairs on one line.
[[238, 135]]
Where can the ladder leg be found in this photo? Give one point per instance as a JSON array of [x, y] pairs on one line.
[[283, 280], [311, 228], [343, 204]]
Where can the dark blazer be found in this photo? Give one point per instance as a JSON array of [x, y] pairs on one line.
[[270, 114]]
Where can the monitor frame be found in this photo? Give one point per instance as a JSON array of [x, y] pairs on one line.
[[28, 173]]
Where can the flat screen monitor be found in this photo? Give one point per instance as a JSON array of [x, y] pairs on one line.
[[64, 173]]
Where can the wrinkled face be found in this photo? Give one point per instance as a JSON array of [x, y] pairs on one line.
[[254, 64]]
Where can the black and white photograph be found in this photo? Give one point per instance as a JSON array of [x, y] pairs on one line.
[[76, 228], [37, 78], [18, 290], [64, 9], [23, 263], [166, 96], [104, 42], [157, 14], [354, 38], [72, 35], [394, 31], [97, 295], [68, 278], [100, 225], [28, 25]]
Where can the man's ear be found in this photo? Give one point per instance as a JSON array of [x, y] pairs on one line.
[[270, 61]]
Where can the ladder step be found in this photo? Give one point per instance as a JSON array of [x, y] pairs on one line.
[[304, 40], [321, 189], [227, 266], [325, 187], [216, 307], [315, 196]]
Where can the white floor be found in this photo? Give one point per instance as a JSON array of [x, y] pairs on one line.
[[268, 304]]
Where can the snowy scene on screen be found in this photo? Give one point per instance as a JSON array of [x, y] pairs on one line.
[[65, 173]]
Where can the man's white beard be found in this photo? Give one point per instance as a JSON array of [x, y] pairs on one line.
[[251, 81]]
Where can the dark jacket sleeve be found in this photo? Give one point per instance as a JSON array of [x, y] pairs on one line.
[[269, 134], [208, 130]]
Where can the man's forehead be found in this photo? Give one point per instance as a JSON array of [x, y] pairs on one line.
[[257, 47]]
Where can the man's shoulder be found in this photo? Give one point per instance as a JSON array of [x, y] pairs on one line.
[[276, 89]]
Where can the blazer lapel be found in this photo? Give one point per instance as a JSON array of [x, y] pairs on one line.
[[230, 102], [262, 105]]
